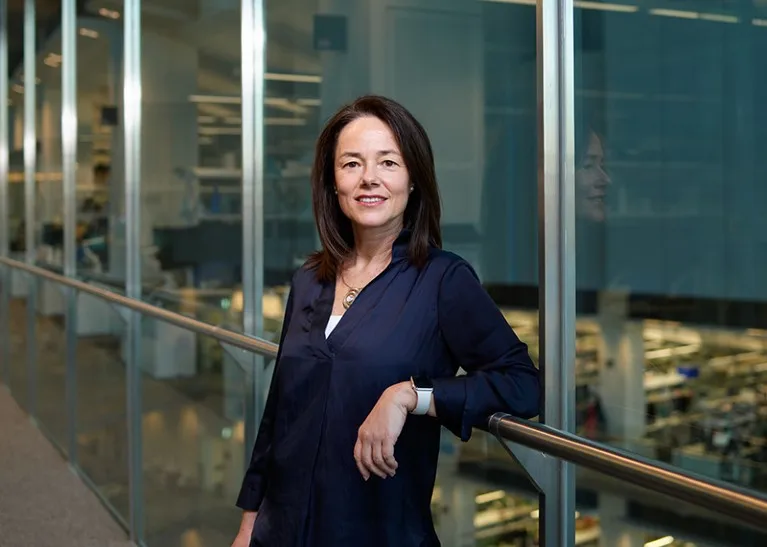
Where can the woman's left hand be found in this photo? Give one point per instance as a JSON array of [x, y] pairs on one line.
[[374, 450]]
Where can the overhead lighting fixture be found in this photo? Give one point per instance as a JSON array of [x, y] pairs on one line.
[[719, 18], [674, 13], [53, 60], [89, 33], [298, 78], [309, 102], [109, 14], [681, 14], [621, 8], [662, 542], [759, 22]]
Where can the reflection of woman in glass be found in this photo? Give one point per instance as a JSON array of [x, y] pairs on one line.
[[591, 184], [591, 179]]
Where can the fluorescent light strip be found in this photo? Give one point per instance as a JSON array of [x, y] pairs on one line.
[[715, 17], [582, 4], [759, 22], [622, 8], [490, 496], [300, 78], [662, 542], [719, 18], [89, 33], [675, 13]]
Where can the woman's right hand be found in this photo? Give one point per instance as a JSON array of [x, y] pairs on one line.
[[246, 529]]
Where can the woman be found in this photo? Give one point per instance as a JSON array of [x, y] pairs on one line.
[[376, 326]]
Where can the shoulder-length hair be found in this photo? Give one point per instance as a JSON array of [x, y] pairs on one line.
[[422, 213]]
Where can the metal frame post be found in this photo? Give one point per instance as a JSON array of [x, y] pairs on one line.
[[253, 69], [5, 273], [69, 176], [556, 227], [132, 157], [30, 195]]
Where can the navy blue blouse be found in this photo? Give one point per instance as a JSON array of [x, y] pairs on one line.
[[302, 479]]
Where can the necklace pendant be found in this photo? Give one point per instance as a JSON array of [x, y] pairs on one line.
[[351, 295]]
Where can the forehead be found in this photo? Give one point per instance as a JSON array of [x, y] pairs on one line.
[[366, 133]]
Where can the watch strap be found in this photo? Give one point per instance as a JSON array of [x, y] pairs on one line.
[[423, 401]]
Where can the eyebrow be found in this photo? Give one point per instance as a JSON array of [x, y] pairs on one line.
[[359, 156]]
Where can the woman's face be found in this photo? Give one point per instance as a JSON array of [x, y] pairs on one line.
[[591, 181], [372, 181]]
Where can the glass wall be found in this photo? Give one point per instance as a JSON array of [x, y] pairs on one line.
[[670, 233]]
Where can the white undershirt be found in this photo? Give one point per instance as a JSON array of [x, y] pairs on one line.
[[332, 324]]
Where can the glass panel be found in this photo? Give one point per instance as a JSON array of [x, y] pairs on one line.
[[193, 437], [50, 196], [51, 351], [18, 341], [99, 42], [101, 405], [191, 227], [670, 233], [629, 516]]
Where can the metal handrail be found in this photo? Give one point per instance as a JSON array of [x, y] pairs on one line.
[[745, 506], [242, 341]]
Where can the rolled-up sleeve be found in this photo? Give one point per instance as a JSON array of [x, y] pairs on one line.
[[500, 376], [254, 484]]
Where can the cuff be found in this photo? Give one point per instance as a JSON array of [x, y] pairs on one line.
[[450, 404], [251, 496]]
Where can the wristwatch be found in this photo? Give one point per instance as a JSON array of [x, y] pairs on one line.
[[423, 388]]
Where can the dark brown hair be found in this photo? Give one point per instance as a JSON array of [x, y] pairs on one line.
[[422, 214]]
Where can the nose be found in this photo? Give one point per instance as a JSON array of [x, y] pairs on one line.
[[604, 179], [369, 175]]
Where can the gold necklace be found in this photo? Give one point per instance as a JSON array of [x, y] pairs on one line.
[[353, 292]]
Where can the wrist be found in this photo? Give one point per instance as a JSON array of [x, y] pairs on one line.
[[404, 396]]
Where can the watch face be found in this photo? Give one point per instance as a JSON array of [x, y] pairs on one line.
[[422, 382]]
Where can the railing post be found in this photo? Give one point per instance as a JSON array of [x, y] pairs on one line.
[[69, 178], [5, 273], [253, 42], [132, 91], [30, 195], [556, 227]]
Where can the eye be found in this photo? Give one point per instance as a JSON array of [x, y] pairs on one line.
[[351, 164], [389, 163]]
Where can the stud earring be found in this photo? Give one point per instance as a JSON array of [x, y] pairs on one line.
[[412, 188]]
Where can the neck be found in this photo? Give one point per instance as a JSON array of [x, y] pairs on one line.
[[373, 245]]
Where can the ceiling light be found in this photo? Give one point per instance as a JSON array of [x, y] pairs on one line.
[[53, 60], [88, 33], [109, 14], [300, 78]]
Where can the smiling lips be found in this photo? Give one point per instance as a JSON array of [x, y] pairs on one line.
[[369, 200]]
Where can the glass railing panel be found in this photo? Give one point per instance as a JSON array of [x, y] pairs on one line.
[[609, 512], [101, 401], [193, 437], [18, 338], [51, 362], [631, 516]]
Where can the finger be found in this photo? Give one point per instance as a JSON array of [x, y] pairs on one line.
[[380, 461], [388, 456], [367, 459], [358, 460]]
